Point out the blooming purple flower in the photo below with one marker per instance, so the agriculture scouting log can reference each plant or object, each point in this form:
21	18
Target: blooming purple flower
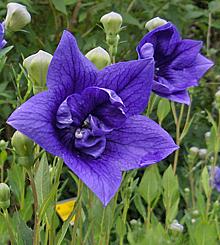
2	33
89	118
178	62
215	177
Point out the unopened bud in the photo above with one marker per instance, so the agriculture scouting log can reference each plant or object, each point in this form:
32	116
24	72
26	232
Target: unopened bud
176	226
193	221
217	99
154	23
186	190
111	22
203	153
37	68
207	138
195	212
24	149
4	196
194	151
99	57
3	144
17	17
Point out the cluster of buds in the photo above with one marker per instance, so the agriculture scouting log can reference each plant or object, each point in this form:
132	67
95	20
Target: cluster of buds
112	23
24	149
4	196
17	17
37	67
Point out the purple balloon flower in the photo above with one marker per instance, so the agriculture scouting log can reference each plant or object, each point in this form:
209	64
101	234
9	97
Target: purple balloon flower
89	118
178	62
2	33
215	177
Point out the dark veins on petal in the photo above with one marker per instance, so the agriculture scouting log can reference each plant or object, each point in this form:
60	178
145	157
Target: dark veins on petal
83	120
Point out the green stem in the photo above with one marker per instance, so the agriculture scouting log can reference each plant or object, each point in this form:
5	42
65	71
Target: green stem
36	218
178	121
208	38
78	212
152	101
10	230
2	173
102	226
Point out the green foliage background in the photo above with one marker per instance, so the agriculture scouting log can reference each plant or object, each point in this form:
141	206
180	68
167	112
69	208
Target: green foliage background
198	19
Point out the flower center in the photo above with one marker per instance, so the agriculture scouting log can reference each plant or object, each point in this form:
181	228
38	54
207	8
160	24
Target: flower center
83	120
90	137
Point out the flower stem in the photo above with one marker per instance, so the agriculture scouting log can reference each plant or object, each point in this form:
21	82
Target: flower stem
178	121
78	212
102	225
10	230
36	218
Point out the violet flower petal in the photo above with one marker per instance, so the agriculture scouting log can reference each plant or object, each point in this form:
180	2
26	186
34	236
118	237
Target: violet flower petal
138	143
132	81
70	71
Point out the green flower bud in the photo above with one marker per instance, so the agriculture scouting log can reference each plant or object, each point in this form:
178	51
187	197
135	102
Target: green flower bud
112	22
195	213
154	23
17	17
4	196
176	226
37	68
194	151
186	190
24	149
207	138
193	221
99	57
3	145
203	153
217	99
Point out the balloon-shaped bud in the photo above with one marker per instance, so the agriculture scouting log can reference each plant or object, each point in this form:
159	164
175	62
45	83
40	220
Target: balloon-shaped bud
154	23
203	153
99	57
217	99
111	22
17	17
37	68
4	196
24	148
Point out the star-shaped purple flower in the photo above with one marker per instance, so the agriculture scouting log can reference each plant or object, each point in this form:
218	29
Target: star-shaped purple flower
89	118
215	177
2	33
178	62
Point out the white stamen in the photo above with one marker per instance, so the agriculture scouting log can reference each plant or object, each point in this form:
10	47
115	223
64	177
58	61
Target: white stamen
79	133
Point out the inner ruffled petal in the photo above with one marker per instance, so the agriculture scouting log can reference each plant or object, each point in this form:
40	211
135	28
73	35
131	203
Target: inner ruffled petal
84	119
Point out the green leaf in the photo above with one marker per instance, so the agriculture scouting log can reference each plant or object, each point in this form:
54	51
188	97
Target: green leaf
129	19
150	186
120	226
42	180
140	206
16	177
203	233
163	109
25	234
214	6
60	6
170	194
4	51
206	182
